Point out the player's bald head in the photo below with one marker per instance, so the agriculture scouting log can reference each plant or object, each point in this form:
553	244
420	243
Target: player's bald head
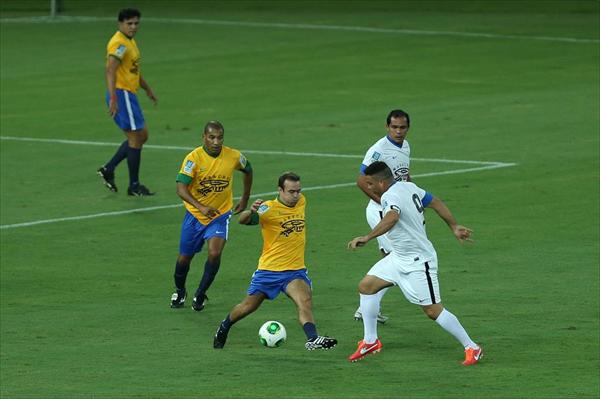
214	126
379	171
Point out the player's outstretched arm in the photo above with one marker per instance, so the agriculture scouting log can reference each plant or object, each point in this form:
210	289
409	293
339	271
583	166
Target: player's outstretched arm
461	233
385	225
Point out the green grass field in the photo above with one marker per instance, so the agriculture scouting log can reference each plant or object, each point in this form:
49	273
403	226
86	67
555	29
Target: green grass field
84	301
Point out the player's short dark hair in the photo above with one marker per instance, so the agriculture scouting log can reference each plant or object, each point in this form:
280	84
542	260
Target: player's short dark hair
128	13
397	113
214	125
287	176
379	171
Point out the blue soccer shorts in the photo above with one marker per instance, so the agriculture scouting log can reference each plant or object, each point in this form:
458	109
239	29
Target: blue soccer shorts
272	283
194	233
129	116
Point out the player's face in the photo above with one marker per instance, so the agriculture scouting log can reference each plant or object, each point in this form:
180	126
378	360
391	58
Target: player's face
213	141
129	26
290	194
374	186
397	129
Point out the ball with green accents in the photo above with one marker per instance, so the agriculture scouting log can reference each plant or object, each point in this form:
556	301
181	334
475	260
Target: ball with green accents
272	334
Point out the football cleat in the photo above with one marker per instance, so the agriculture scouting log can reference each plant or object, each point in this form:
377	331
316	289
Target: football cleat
108	178
380	318
139	190
178	299
220	338
365	349
198	304
320	342
472	356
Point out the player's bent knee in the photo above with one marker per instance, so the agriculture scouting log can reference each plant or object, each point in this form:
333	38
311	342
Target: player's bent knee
366	288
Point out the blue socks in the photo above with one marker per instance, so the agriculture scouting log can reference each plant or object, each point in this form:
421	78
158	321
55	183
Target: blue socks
134	157
210	272
310	330
180	275
120	155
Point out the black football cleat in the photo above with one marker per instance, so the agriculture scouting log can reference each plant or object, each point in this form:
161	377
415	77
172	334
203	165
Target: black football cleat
199	304
108	178
139	190
220	338
178	299
320	342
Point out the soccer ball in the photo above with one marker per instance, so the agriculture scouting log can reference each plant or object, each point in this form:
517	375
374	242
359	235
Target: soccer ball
272	334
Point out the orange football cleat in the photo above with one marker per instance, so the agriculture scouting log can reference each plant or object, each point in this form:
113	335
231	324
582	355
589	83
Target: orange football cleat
365	349
472	356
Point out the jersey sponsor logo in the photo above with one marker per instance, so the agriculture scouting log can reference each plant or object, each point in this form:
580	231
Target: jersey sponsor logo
120	51
292	226
189	167
262	209
376	156
401	174
135	66
212	186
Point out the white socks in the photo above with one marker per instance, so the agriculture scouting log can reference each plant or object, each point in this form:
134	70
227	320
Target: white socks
369	306
450	323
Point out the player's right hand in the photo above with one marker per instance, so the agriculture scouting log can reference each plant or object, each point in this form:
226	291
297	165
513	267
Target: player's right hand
357	242
209	211
256	204
113	107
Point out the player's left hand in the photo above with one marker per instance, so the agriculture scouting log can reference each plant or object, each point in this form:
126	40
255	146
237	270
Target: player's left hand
462	233
357	242
151	96
241	206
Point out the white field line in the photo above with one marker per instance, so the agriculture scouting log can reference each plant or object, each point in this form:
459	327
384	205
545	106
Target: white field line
281	25
153	208
259	152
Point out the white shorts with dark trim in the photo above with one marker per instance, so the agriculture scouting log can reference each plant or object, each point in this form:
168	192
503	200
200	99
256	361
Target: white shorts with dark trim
418	281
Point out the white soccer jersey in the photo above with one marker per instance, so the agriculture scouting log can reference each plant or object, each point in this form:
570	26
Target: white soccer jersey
408	236
396	157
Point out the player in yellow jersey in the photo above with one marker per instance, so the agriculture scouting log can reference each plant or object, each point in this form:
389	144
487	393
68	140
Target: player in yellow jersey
123	78
205	184
281	265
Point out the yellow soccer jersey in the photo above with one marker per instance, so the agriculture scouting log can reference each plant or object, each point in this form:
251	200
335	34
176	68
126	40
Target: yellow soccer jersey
125	49
210	180
284	235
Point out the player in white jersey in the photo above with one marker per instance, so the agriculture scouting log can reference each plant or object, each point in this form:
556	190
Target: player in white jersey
394	150
412	263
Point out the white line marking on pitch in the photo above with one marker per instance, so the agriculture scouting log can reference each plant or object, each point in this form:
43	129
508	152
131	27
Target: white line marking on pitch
260	152
281	25
153	208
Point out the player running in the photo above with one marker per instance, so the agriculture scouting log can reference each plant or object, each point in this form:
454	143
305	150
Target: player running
281	265
205	184
412	264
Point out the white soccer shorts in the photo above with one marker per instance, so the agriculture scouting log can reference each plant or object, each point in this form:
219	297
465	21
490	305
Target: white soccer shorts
418	281
374	214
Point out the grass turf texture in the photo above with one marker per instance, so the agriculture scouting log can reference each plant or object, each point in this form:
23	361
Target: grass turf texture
84	304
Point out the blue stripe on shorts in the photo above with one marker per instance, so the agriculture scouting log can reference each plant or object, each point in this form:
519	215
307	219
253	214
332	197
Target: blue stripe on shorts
272	283
129	115
194	233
